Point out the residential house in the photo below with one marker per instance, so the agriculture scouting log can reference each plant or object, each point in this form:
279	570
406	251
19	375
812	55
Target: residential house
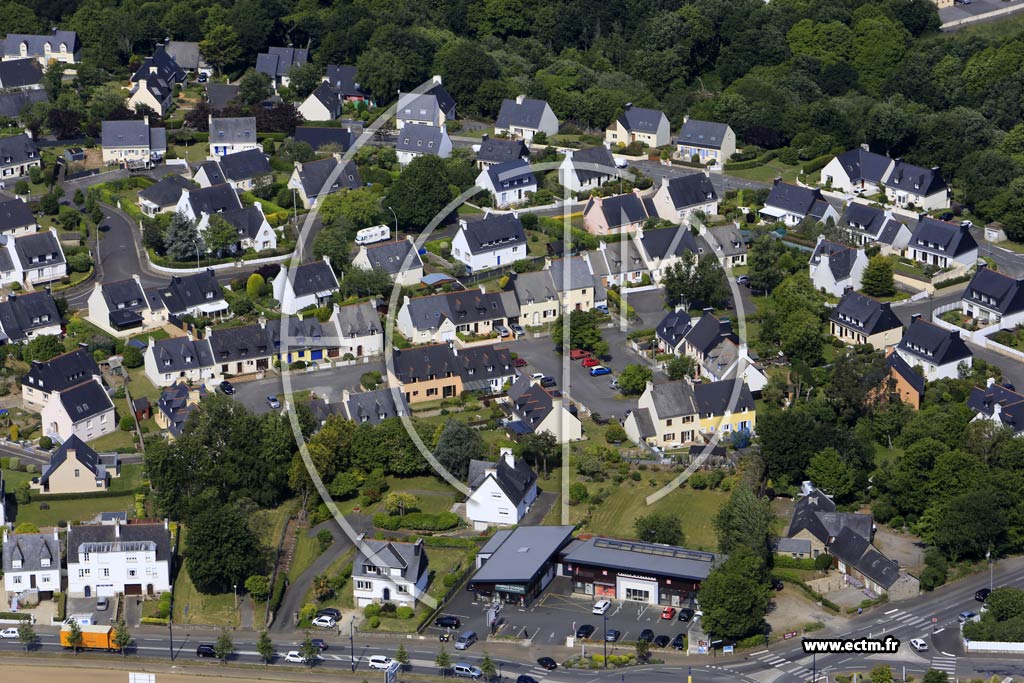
60	46
836	268
417	139
325	103
16	218
152	84
252	229
107	559
373	406
492	151
677	199
307	285
858	319
389	571
122	308
243	171
432	108
133	144
671	414
816	521
74	467
536	410
21	74
636	124
672	330
998	403
23	317
939	352
523	118
791	204
399	259
360	334
163	195
175	405
345	79
722	407
718	353
865	224
663	249
244	350
277	62
993	298
857	171
707	142
617	264
426	373
304	338
84	410
942	245
501	492
912	186
231	135
220	96
3	509
441	317
198	294
32	260
537	296
485	369
18	153
901	383
31	564
733	242
317	137
493	241
310	178
186	54
586	169
617	214
46	378
178	358
863	565
14	103
578	289
510	182
222	200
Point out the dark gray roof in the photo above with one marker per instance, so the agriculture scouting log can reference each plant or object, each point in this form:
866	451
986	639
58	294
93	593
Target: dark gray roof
710	331
181	353
278	61
332	99
915	179
691	190
61	372
463	307
422	362
1011	404
240	343
855	550
793	545
713	398
861	164
995	291
525	114
234	130
612	261
673	328
375	406
246	221
647	558
535	286
245	165
75	448
35	43
12	104
896	363
15	214
494	231
313	175
478	365
214	199
598	155
31	550
219	95
864	314
175	406
85	400
20	73
930	342
732	240
159	87
345	78
515	482
580	276
621	209
792	198
312	278
511	174
390	256
302	333
358	320
321	136
642	120
497	150
24	313
424	106
524	554
186	291
817	514
159	66
839	258
135	133
118	538
41	248
409	558
531	402
951	240
184	53
419	138
167	191
702	134
672	399
669	242
863	218
644	423
17	149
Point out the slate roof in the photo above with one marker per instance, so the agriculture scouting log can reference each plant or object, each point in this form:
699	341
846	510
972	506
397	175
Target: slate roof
580	276
793	199
35	43
80	451
645	558
1011	404
493	232
838	257
233	130
856	551
278	61
863	218
995	291
409	558
621	209
644	423
24	313
166	69
420	362
314	174
134	133
535	286
85	400
515	482
312	278
731	239
817	514
115	536
246	221
511	174
896	364
497	150
184	53
389	256
524	553
375	406
793	545
668	242
61	372
708	332
175	406
185	291
160	88
214	199
673	328
419	139
525	114
219	95
244	165
953	239
240	343
673	399
462	308
702	134
41	248
332	99
17	149
12	104
861	164
345	78
611	261
864	314
713	398
531	402
167	191
319	136
598	155
31	550
20	73
424	106
934	344
181	353
15	214
915	179
690	190
480	364
641	120
358	320
302	333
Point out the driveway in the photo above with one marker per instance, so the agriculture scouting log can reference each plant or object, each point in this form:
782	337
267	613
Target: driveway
330	383
721	181
88	606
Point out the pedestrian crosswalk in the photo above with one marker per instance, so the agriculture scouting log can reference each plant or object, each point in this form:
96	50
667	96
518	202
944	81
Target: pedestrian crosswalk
899	618
946	664
781	663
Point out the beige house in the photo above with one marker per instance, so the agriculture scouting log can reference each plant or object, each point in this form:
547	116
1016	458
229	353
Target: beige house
672	414
576	285
649	126
538	411
624	213
426	373
537	296
133	144
74	468
858	319
84	411
46	379
707	142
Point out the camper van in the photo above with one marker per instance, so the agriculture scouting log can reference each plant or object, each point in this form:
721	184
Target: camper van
378	233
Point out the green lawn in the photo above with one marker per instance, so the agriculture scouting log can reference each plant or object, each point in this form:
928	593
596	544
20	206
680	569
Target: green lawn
306	550
116	441
272	522
343	599
885	456
140	385
768	172
155	335
538	246
72	511
193	607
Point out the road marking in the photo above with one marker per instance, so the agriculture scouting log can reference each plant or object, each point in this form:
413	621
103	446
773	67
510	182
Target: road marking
892	611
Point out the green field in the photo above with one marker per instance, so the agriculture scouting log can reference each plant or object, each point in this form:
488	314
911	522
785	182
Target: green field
307	549
117	440
768	172
80	510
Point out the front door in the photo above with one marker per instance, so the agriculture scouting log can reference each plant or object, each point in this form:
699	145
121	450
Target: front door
386	594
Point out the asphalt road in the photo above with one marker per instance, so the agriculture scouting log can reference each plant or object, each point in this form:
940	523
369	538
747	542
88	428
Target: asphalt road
253	394
721	181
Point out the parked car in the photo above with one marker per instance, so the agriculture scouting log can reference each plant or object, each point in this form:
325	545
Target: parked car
518	330
598	370
331	612
679	641
548	381
205	650
227	388
547	663
523	678
9	633
585	631
577	354
323	622
612	635
447	621
379	662
685	614
614	384
777	584
668	613
743	280
202	77
519	362
102	604
662	641
502	330
590	362
462	670
947	216
982	594
918	644
966	224
601	606
465	640
647	635
601	308
273	402
537	375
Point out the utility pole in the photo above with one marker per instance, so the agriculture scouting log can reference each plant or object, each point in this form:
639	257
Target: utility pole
352	640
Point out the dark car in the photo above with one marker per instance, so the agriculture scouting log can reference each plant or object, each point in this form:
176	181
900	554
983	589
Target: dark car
447	622
202	77
662	641
647	635
526	679
205	650
585	631
948	216
982	595
679	641
547	663
548	381
777	584
226	388
331	612
319	644
612	635
685	614
519	362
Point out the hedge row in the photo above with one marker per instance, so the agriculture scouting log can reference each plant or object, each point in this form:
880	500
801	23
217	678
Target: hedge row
817	163
449	542
420	521
41	497
953	281
278	593
20	616
154	621
783	562
753	163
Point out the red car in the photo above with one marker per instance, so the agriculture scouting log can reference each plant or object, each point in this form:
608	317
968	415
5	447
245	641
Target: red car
577	354
668	613
519	362
590	362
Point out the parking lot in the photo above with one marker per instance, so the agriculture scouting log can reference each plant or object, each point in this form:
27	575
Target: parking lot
558	613
88	606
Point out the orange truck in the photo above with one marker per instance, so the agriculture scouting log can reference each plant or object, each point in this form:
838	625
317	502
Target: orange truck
93	637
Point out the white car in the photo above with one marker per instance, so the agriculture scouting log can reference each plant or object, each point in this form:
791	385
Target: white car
294	657
537	376
601	606
9	633
324	622
919	645
379	662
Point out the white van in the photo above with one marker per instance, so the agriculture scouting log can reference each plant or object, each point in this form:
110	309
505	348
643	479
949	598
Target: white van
379	662
465	640
467	671
82	619
377	233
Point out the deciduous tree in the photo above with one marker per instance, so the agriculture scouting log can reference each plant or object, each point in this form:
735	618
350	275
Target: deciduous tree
659	527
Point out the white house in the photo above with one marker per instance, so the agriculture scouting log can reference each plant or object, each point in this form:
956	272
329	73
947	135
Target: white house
538	411
511	182
860	171
501	493
178	358
23	317
107	559
710	143
84	410
231	135
32	260
431	108
662	249
309	179
133	144
993	297
649	126
310	284
942	245
417	139
907	185
586	169
523	118
18	154
835	267
246	170
495	240
676	199
857	170
359	331
251	225
277	62
60	46
323	104
31	562
399	259
389	571
791	204
938	351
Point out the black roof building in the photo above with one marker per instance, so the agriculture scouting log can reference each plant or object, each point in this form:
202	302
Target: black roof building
23	314
220	95
314	174
863	165
622	209
318	137
933	344
390	256
499	150
592	163
78	450
995	291
61	372
425	362
312	278
375	406
494	231
85	400
673	328
179	354
278	61
531	402
13	104
513	475
167	191
714	398
838	258
511	174
793	199
915	179
248	342
20	73
668	242
690	190
184	292
708	332
1000	403
521	112
856	551
702	134
345	79
15	215
252	163
942	238
864	314
98	538
17	150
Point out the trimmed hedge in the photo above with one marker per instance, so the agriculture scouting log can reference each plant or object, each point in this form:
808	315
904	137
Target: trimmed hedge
783	562
420	521
19	616
154	621
753	163
817	163
89	494
953	281
277	595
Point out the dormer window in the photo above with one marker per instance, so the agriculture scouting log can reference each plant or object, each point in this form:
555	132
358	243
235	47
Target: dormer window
44	562
16	564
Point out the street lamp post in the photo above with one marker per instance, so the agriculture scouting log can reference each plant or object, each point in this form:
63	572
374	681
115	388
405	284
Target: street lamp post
991	570
196	243
396	220
234	587
352	640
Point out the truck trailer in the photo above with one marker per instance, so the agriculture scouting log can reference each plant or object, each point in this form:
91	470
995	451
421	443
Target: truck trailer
94	637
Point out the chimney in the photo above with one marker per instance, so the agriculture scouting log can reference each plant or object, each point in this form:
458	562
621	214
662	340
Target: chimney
865	146
263	322
776	181
417	547
360	537
989	382
436	79
145	120
885	306
5	535
117	528
327	259
520	98
508	457
997	412
56	534
915	316
649	386
686	118
166	524
708	310
483	289
629	105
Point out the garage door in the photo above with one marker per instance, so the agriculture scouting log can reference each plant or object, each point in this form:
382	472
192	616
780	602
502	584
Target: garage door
133	589
105	590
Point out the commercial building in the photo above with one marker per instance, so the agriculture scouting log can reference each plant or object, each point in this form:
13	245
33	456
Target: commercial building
516	565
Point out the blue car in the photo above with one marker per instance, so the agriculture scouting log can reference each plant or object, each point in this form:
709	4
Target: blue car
599	370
